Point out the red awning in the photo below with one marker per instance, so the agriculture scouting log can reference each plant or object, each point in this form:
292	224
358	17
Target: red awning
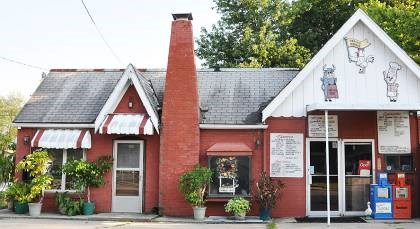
127	124
229	148
62	139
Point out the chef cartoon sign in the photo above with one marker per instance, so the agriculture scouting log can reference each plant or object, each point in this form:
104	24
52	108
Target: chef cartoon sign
390	78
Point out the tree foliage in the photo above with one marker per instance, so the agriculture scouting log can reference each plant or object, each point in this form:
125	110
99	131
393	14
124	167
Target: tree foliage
9	107
400	20
251	34
279	33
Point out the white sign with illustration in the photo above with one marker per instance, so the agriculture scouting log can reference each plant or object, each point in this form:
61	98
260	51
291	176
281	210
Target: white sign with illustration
286	155
356	53
316	126
329	83
393	132
390	78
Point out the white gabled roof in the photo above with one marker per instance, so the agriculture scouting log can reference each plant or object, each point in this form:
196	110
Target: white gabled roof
359	15
129	76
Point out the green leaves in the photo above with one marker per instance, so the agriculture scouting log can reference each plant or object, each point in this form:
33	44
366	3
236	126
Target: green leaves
35	163
193	184
238	206
87	174
9	107
251	33
268	191
67	206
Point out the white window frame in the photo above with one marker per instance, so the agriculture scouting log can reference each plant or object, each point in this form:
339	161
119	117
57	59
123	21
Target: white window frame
63	175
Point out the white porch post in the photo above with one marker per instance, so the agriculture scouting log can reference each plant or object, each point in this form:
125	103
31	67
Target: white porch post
327	152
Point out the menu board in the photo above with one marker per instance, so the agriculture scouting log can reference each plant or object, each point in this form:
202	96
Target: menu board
393	132
316	126
286	155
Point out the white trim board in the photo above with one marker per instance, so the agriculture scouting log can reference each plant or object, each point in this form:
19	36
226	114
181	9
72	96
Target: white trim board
359	15
129	77
53	125
232	127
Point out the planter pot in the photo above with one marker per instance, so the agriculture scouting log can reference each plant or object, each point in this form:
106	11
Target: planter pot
10	205
240	216
199	213
88	208
21	207
35	209
264	214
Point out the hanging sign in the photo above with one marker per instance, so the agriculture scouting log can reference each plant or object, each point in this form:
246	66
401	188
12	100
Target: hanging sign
286	155
316	126
356	53
393	132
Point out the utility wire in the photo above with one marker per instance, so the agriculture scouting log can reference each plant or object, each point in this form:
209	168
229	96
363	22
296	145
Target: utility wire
100	33
21	63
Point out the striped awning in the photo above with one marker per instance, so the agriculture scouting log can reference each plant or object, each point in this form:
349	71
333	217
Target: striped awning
127	124
62	138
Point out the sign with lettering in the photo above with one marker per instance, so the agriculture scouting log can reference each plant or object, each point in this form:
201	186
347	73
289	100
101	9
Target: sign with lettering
393	132
286	155
316	126
383	208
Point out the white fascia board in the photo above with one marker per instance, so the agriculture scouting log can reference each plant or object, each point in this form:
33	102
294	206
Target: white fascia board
112	100
363	107
232	127
359	15
53	125
144	99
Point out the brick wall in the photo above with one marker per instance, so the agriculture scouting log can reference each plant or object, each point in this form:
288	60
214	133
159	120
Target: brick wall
180	117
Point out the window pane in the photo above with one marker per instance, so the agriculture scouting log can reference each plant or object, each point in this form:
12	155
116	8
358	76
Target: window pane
56	156
127	183
128	155
230	176
72	154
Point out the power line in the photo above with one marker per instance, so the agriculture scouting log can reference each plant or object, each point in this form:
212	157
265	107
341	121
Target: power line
21	63
100	33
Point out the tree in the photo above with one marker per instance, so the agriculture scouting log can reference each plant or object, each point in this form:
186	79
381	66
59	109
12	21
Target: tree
400	20
251	33
314	22
9	107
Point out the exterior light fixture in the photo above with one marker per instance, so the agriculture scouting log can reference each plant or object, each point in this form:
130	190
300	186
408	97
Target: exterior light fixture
26	140
130	104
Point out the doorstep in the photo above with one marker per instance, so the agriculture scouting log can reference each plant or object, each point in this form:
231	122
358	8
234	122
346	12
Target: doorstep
131	217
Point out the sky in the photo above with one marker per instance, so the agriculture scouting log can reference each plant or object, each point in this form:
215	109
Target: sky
59	34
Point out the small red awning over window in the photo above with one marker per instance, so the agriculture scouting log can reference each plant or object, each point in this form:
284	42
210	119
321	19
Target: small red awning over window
229	149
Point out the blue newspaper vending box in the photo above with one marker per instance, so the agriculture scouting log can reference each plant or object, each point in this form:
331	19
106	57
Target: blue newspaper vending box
381	198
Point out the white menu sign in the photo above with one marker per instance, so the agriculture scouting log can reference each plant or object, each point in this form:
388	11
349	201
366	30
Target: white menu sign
393	132
316	126
286	155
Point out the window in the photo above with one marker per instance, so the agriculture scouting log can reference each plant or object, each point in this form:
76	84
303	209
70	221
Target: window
399	162
59	157
231	176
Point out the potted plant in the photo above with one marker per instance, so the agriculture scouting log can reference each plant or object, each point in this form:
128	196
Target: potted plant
67	206
36	164
86	174
193	185
268	191
238	206
19	191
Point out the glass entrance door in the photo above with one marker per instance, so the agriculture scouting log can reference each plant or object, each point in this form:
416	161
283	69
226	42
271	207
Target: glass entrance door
358	175
318	178
127	176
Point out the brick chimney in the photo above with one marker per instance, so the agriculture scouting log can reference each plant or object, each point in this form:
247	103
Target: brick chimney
180	137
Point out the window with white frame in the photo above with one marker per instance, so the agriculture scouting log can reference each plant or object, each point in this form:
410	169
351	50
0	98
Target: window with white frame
59	157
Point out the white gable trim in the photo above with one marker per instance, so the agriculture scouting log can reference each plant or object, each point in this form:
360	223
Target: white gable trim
359	15
129	76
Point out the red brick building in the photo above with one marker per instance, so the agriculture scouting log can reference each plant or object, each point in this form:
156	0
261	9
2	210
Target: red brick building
159	123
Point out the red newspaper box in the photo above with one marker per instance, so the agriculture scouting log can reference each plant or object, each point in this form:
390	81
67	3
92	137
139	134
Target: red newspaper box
402	198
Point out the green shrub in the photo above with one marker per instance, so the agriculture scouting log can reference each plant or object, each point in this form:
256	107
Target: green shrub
67	206
193	185
238	206
86	174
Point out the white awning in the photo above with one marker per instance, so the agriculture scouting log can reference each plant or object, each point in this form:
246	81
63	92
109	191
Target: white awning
362	106
127	124
62	138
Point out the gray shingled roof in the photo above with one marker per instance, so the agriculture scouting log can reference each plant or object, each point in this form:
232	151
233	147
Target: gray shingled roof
229	96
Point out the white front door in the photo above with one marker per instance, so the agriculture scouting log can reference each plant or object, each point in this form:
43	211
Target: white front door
127	180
